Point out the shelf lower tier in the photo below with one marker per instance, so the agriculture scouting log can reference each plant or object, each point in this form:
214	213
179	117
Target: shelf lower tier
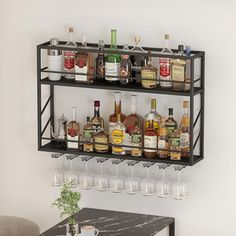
52	147
132	88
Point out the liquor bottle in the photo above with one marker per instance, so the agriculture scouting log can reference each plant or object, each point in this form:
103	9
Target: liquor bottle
117	110
84	64
69	57
138	62
164	65
155	114
149	75
101	141
54	60
97	121
175	151
100	61
129	123
178	68
188	68
184	131
163	140
118	136
88	136
150	139
112	62
73	131
136	141
125	67
171	123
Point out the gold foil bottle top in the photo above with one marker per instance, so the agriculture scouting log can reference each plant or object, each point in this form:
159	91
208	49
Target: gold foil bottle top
153	104
118	118
186	104
167	36
71	29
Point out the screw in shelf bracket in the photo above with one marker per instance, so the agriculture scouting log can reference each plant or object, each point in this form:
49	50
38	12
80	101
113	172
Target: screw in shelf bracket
71	156
163	166
56	155
132	163
179	168
148	164
102	159
87	158
117	161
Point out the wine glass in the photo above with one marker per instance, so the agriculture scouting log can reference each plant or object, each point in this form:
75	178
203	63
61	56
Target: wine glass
70	177
132	183
116	182
163	186
57	173
85	179
101	181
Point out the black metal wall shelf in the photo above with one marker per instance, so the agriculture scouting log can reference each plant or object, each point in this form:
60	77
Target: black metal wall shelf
197	87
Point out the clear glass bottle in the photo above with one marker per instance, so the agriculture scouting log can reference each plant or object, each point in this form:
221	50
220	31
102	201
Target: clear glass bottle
118	136
175	151
149	75
164	65
136	141
129	123
69	56
117	110
125	67
84	64
101	141
155	114
112	62
163	140
100	61
97	121
73	132
185	132
150	139
88	136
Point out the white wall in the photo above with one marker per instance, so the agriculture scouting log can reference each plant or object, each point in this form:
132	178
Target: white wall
24	172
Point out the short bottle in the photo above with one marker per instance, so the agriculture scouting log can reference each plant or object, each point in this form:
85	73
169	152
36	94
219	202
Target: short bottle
136	141
54	60
118	136
125	67
149	75
97	121
100	61
101	141
69	57
73	132
163	144
150	140
175	151
88	137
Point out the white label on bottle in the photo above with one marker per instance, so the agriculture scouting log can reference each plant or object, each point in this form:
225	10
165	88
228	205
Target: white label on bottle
83	70
127	141
161	144
55	64
72	144
150	142
164	64
111	125
112	69
184	140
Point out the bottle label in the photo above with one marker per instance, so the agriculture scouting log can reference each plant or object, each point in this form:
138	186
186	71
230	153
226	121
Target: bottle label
170	129
81	66
111	126
155	124
136	139
101	69
175	143
178	73
124	72
150	142
161	143
127	141
112	69
184	140
72	135
69	60
87	133
117	136
101	147
96	128
164	67
148	74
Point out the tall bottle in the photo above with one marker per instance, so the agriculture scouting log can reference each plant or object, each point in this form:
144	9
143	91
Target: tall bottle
69	56
136	141
150	139
97	121
100	61
185	132
118	136
125	67
163	140
117	110
129	123
112	63
84	64
73	131
154	116
171	123
164	65
88	136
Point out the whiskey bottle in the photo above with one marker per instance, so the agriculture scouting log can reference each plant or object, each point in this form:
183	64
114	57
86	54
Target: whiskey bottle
164	65
150	140
118	135
136	141
84	65
73	131
112	62
184	131
149	75
153	114
101	141
97	121
178	68
88	136
69	57
171	123
129	123
163	140
117	110
125	67
100	61
175	151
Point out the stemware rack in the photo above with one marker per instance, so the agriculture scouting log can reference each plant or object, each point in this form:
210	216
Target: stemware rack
197	87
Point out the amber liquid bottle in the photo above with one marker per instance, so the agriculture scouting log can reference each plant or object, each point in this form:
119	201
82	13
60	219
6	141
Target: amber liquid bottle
97	121
163	140
88	136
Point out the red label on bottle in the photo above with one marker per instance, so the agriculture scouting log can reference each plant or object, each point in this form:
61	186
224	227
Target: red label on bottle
164	67
72	132
69	60
81	63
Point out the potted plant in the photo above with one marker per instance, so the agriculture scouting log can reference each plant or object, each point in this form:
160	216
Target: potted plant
68	204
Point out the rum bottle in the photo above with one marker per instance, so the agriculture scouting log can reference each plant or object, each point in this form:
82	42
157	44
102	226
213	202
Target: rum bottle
97	121
136	141
163	140
125	67
100	61
88	137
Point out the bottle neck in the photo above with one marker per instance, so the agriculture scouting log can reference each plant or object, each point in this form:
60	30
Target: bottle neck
166	44
134	105
113	39
185	111
73	114
71	36
96	111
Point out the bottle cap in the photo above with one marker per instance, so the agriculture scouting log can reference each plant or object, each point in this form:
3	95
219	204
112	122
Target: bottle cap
186	104
71	29
54	41
101	43
180	48
88	118
97	103
170	111
167	36
153	103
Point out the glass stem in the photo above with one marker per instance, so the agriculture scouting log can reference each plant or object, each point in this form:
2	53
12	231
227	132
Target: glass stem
179	176
163	175
148	173
132	171
86	166
116	170
101	168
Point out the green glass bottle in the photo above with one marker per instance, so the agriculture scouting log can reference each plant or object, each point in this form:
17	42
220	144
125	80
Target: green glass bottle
112	62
